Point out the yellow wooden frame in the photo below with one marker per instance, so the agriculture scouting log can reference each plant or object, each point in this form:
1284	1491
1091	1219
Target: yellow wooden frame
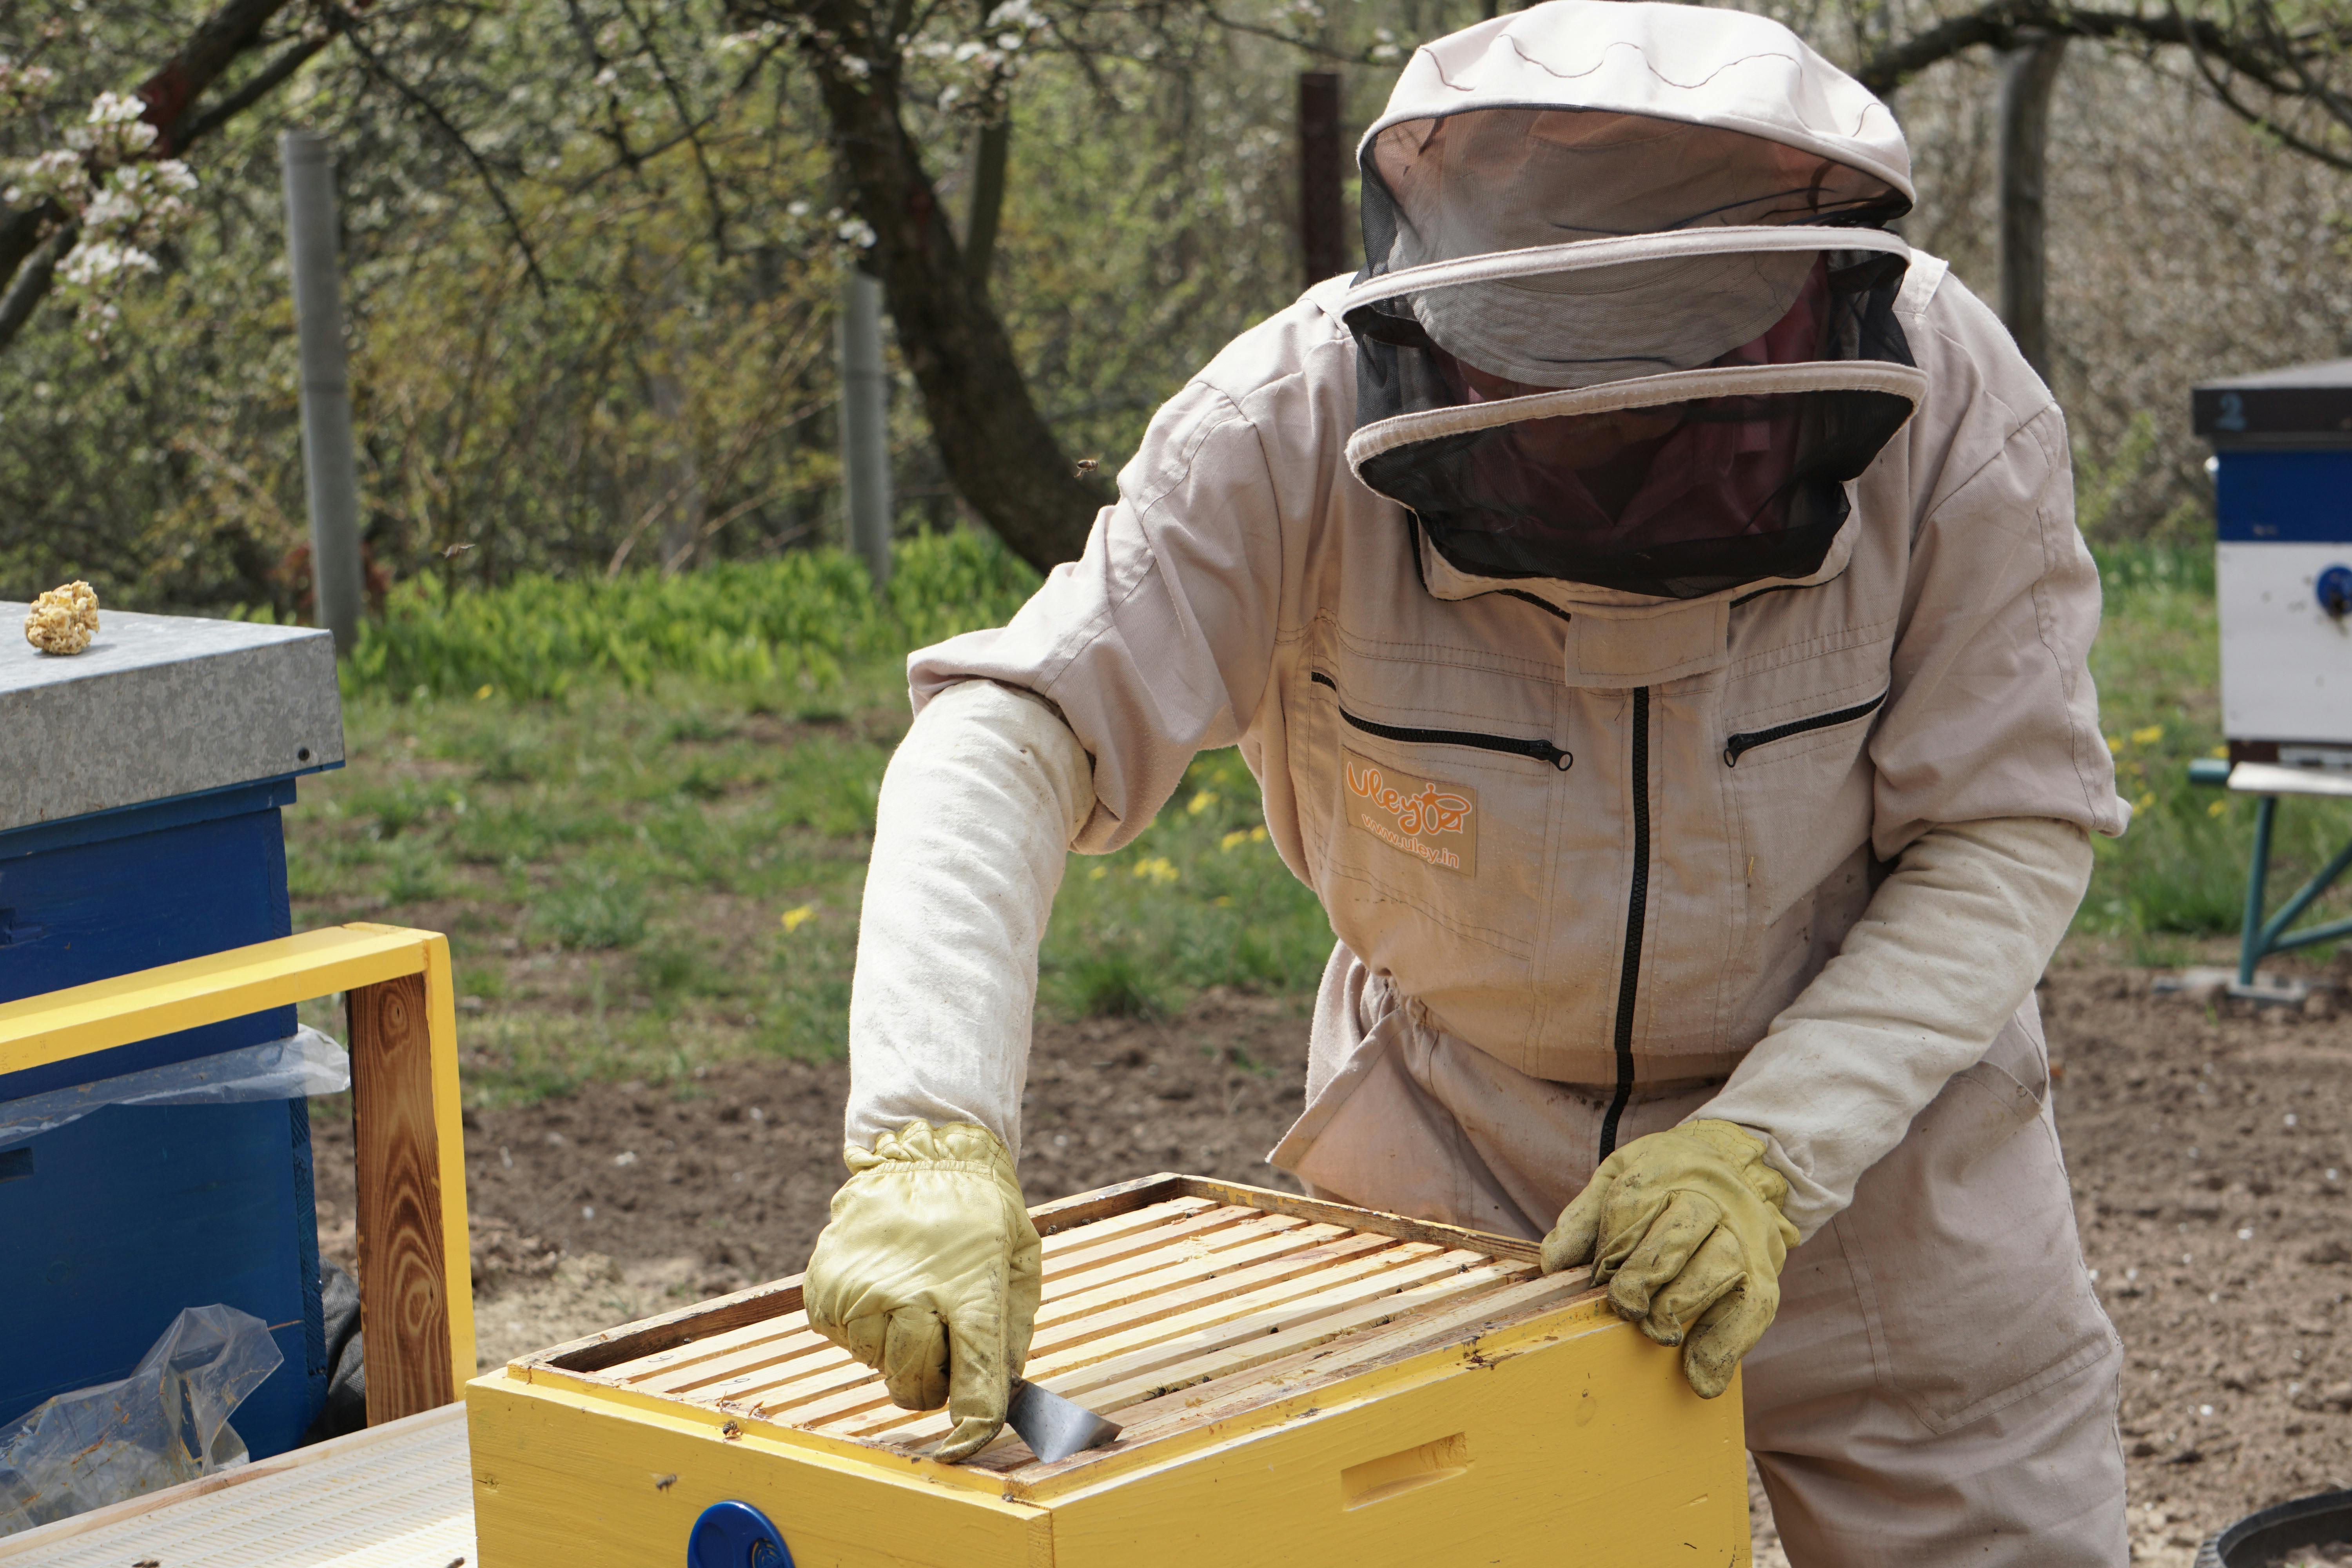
1562	1436
420	1326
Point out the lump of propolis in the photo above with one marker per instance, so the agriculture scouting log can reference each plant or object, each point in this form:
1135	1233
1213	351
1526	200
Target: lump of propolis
63	619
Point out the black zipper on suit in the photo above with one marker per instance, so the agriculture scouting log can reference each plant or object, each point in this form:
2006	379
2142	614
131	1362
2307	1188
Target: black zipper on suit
1637	907
1542	751
1741	744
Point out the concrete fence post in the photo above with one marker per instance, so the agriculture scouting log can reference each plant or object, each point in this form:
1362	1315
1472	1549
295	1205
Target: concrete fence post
328	464
866	423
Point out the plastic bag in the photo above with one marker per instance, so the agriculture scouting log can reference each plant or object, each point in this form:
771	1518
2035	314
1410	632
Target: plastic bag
305	1063
164	1424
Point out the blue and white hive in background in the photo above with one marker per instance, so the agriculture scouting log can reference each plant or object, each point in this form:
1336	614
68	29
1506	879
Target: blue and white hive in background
2282	481
140	783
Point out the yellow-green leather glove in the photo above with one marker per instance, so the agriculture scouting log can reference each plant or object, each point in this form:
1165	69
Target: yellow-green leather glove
929	1273
1685	1227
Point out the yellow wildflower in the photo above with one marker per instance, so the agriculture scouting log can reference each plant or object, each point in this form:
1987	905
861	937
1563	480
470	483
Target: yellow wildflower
484	694
1257	833
2145	801
795	918
1233	840
1097	874
2149	736
1157	868
2216	808
2115	744
1201	802
2221	752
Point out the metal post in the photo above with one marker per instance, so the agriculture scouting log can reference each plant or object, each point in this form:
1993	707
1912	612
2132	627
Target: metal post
866	423
329	467
2250	942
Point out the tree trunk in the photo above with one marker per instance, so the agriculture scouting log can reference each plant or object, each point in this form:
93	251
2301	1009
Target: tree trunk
992	151
2028	74
998	449
1322	207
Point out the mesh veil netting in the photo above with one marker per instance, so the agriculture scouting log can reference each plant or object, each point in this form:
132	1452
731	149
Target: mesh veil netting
1676	498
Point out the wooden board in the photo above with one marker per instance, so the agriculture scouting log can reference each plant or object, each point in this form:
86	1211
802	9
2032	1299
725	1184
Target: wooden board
1164	1300
403	1294
394	1496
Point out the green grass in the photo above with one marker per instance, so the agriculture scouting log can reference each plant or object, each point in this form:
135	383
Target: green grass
794	623
651	867
638	879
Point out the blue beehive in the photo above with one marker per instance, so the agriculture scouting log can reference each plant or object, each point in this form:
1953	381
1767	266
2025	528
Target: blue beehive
140	783
2282	493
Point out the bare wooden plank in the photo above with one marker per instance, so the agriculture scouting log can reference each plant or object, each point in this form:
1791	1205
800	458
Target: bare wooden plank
612	1347
1202	1226
1407	1328
1309	1323
1261	1333
749	1346
1309	1268
1192	1257
748	1363
1115	1285
772	1361
1087	1208
848	1380
1148	1217
1107	1306
1395	1225
403	1286
749	1335
769	1350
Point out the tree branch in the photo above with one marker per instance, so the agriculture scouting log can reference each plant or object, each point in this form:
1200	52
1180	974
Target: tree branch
2011	24
32	282
998	449
222	36
191	128
344	23
22	229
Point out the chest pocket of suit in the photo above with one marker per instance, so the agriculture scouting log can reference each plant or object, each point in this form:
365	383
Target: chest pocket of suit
1801	771
1438	833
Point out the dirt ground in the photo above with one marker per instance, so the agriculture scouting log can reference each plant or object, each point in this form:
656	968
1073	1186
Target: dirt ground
2210	1144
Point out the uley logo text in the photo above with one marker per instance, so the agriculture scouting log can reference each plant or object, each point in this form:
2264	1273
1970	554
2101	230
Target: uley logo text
1433	821
1428	812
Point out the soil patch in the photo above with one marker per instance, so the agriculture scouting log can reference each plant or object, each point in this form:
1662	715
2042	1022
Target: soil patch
621	1200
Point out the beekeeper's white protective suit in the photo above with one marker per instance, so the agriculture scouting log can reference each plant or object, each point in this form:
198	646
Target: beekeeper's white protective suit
1650	600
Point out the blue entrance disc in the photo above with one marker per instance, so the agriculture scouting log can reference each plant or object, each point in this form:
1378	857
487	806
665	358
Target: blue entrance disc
2335	591
735	1535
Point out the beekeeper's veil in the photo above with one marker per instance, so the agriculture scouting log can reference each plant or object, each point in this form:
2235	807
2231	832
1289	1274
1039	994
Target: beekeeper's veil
1627	313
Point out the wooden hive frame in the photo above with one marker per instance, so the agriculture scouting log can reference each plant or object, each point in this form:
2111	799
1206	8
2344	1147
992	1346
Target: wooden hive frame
1280	1366
1179	1305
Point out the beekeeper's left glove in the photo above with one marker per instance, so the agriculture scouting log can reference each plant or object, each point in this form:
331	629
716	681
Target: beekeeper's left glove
930	1273
1685	1227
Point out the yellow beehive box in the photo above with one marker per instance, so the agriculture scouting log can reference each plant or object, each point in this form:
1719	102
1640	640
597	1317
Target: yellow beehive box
1300	1382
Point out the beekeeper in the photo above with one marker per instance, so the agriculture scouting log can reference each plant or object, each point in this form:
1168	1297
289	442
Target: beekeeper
1649	598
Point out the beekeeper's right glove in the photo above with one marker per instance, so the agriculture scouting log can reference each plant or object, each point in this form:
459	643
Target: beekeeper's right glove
930	1274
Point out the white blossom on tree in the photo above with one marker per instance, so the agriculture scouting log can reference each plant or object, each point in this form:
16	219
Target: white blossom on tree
121	202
